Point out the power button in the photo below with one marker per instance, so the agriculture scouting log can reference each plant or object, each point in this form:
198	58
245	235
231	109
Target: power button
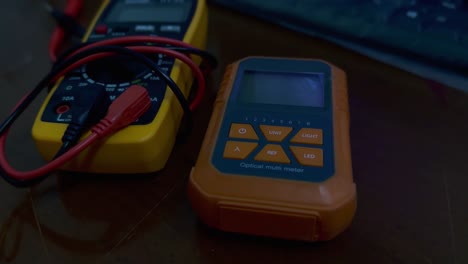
244	131
101	29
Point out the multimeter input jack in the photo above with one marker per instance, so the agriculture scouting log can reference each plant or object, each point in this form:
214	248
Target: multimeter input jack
62	109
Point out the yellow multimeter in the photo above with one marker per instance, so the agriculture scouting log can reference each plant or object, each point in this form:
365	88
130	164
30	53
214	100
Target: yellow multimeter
276	157
144	146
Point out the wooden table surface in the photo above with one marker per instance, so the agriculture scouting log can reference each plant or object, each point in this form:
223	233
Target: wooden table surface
409	151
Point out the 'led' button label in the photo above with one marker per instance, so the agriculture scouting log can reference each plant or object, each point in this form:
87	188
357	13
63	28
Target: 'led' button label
308	156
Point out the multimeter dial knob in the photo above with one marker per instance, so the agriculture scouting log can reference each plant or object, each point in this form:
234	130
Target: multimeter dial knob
114	70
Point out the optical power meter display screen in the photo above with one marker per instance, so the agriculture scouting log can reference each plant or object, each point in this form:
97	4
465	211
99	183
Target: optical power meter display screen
149	12
277	88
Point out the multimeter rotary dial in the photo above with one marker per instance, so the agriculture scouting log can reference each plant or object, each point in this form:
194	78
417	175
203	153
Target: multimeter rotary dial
115	70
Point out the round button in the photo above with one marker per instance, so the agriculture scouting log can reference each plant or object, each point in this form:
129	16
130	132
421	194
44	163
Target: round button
62	109
101	29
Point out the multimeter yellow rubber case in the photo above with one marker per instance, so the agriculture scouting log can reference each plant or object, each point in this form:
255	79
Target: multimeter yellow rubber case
303	189
139	148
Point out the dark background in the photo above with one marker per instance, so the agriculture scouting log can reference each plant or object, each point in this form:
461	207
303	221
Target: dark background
409	151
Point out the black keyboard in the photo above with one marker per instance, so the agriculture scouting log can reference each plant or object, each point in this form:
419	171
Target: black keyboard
430	32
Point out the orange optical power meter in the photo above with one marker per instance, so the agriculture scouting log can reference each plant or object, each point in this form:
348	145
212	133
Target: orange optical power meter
276	157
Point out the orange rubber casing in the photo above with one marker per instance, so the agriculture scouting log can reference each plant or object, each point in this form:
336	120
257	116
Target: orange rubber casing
279	208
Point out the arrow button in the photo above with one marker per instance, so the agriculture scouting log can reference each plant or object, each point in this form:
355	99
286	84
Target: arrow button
238	150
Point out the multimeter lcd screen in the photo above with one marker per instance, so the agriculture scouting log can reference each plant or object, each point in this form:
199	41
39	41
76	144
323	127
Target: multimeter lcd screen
278	88
175	13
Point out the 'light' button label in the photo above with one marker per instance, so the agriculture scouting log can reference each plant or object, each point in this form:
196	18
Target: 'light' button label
309	136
